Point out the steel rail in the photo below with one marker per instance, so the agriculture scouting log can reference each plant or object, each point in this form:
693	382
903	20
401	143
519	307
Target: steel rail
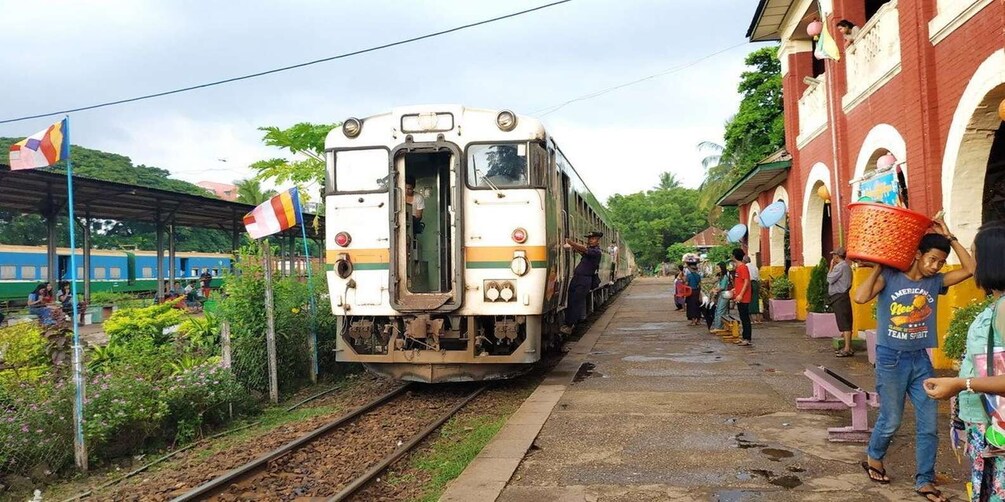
402	450
216	484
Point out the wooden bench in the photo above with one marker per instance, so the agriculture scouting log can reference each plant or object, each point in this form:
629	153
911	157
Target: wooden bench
832	391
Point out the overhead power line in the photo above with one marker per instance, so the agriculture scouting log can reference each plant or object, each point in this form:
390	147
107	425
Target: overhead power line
284	68
554	108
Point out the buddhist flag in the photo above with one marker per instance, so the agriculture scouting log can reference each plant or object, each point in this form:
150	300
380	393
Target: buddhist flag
275	215
43	149
826	46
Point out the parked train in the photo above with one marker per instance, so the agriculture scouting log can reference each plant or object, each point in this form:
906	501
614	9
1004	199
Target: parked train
476	288
23	267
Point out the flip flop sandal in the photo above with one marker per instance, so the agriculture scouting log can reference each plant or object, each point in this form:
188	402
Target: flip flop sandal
870	470
933	492
844	353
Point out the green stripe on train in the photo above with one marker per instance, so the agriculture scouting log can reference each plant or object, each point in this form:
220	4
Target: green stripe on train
19	290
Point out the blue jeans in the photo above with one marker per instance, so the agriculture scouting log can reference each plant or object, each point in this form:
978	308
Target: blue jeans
900	374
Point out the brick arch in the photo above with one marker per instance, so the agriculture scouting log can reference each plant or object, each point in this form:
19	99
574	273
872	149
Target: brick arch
753	231
968	147
813	213
881	139
776	236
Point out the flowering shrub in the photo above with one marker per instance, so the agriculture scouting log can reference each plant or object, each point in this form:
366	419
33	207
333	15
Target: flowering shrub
36	424
146	322
120	413
22	345
199	397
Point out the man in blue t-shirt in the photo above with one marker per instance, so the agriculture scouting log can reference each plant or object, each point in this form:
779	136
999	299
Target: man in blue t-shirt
906	304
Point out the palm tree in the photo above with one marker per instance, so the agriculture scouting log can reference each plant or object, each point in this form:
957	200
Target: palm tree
250	191
720	173
668	181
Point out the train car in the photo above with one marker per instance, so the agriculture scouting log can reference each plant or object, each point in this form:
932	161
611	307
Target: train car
23	267
476	288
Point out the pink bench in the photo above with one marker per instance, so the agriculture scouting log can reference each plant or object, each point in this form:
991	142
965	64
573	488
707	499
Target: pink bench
835	392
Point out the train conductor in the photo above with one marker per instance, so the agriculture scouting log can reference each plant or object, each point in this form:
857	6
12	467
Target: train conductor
582	278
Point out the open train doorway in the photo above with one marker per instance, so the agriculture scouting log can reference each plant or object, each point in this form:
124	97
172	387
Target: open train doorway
427	273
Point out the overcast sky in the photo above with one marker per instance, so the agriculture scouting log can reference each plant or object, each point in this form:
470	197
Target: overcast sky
64	54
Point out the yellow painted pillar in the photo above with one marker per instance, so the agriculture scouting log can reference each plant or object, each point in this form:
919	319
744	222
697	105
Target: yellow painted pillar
863	316
958	296
800	277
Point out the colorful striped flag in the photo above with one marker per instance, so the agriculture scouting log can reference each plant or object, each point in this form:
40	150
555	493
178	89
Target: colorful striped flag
43	149
275	215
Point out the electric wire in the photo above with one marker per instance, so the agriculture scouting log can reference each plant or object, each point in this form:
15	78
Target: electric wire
284	68
554	108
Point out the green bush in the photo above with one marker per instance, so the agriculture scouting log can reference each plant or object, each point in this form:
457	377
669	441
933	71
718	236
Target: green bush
201	334
145	322
955	343
121	413
676	252
22	345
109	297
200	397
36	424
781	288
816	291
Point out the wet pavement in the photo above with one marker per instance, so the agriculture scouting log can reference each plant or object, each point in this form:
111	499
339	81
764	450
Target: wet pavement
659	410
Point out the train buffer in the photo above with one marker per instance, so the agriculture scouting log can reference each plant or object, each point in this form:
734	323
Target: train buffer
832	391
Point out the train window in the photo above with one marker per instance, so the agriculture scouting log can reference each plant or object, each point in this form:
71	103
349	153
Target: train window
538	165
80	272
27	272
114	273
8	272
99	272
43	272
147	272
497	166
361	170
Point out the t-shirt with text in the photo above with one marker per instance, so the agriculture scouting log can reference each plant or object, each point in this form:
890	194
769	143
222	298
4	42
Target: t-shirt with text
905	311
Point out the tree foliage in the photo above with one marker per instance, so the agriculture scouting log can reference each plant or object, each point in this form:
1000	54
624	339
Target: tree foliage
754	132
651	221
250	191
306	142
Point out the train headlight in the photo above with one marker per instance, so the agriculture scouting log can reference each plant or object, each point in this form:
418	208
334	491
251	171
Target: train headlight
352	127
491	291
506	292
506	120
342	239
519	264
519	236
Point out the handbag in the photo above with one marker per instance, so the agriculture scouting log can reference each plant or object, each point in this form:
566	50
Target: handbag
989	364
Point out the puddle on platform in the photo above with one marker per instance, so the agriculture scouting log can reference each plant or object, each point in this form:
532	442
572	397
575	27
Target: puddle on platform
695	358
585	370
787	481
735	496
649	326
744	444
776	454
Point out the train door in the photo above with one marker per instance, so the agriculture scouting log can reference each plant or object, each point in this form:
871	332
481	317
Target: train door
567	254
426	263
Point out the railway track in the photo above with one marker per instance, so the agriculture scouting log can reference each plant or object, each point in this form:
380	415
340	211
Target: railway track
342	456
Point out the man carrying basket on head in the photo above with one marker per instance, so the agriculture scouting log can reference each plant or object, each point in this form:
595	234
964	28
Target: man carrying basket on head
905	329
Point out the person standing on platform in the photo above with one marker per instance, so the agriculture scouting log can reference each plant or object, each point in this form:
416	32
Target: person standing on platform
742	294
582	279
839	298
206	279
906	308
755	291
692	278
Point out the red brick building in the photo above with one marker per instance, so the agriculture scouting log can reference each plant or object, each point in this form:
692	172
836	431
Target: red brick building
922	80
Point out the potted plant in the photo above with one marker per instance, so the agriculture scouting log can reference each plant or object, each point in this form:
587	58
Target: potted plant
781	304
820	321
955	343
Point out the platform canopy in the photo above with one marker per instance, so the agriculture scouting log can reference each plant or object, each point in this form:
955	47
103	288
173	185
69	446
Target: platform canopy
766	175
44	192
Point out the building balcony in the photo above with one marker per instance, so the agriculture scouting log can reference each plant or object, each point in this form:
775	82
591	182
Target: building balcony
873	58
812	110
951	15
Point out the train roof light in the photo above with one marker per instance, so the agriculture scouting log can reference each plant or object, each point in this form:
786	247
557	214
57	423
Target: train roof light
506	120
352	127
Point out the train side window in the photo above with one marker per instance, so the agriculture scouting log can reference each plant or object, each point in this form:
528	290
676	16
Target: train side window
538	166
361	170
99	272
148	272
114	273
8	272
80	272
43	272
28	272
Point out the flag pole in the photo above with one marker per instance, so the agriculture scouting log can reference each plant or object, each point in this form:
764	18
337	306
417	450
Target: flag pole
270	323
313	340
79	447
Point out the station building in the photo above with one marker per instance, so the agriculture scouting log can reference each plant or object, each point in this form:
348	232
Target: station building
919	90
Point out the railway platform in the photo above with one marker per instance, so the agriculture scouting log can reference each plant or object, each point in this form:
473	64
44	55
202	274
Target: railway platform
645	407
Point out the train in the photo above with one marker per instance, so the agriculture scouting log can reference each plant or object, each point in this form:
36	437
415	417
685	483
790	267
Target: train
24	267
469	280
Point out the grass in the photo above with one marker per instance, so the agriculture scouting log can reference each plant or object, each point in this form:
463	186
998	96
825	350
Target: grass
458	444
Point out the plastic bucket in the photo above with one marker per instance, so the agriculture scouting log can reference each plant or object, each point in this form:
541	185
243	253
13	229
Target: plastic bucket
885	234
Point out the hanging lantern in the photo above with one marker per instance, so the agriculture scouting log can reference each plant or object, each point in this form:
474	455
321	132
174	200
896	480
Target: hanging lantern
885	162
1001	110
824	193
814	28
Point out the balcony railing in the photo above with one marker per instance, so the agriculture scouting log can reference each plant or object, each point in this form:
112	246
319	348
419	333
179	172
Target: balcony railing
813	110
874	57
